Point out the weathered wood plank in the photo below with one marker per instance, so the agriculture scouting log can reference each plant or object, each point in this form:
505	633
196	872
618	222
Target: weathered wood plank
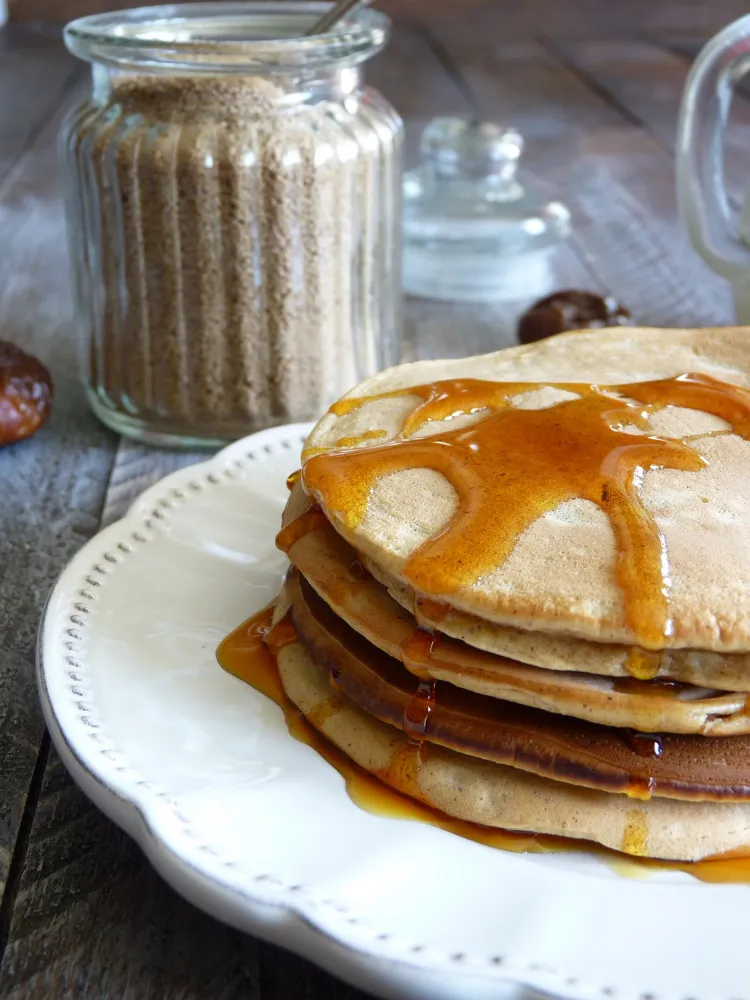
685	45
100	923
33	36
37	81
137	467
617	179
520	18
444	329
513	21
648	81
52	486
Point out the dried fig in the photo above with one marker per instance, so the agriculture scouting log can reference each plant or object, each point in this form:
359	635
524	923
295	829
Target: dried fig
25	394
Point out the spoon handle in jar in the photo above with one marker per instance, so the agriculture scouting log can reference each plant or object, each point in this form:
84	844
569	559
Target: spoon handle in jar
337	11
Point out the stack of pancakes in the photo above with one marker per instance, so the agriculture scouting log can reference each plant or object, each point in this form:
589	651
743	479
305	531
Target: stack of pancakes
520	587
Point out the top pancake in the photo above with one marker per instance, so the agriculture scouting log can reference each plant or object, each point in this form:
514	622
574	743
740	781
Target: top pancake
560	575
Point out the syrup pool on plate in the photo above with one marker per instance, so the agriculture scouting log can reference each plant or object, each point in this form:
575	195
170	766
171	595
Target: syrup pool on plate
248	654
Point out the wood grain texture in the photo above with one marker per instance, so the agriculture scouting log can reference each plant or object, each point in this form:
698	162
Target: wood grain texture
53	485
648	81
515	20
618	180
520	18
37	80
90	922
418	75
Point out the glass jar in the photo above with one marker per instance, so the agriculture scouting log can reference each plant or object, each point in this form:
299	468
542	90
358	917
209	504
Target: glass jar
473	231
233	202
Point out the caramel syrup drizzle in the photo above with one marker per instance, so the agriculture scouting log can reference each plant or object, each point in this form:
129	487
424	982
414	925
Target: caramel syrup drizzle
309	519
417	712
643	664
645	744
359	439
293	478
525	463
417	651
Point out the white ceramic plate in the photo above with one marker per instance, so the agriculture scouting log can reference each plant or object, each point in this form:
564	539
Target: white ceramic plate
255	828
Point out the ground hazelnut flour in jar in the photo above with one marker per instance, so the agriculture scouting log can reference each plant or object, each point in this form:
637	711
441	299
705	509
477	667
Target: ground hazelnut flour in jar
234	234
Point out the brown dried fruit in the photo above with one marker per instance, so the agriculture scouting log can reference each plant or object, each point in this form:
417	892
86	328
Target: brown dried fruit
25	394
570	310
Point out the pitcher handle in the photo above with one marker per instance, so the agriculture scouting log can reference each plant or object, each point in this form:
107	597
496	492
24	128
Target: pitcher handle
701	190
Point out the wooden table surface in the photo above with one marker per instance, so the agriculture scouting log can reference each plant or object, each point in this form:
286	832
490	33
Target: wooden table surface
596	95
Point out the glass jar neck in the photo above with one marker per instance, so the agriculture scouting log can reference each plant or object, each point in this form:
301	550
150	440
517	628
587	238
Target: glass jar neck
194	97
227	37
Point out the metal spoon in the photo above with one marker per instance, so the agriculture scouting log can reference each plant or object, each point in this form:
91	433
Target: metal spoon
332	16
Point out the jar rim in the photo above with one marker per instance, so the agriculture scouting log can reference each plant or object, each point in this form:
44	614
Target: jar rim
235	36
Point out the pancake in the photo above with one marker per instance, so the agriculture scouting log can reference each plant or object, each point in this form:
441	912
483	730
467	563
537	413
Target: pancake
330	566
687	767
505	797
564	573
722	671
552	651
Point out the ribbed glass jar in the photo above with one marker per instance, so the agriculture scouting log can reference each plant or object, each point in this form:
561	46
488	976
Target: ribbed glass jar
233	198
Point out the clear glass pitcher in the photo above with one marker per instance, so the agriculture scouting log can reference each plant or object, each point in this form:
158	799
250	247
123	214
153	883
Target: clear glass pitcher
720	233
